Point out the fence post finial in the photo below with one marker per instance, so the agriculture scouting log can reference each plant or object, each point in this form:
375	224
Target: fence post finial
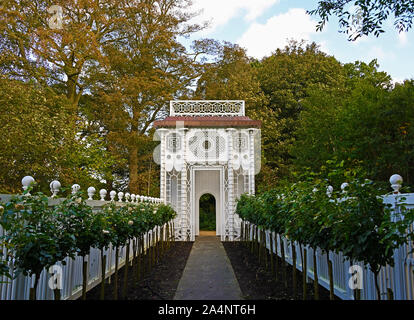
120	196
26	182
329	191
91	192
396	182
54	187
75	188
344	186
127	196
112	194
103	193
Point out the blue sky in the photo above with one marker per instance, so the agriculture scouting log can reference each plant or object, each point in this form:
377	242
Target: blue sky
261	26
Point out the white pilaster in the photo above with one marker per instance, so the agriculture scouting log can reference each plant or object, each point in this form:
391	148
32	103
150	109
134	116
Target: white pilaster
230	175
163	183
251	157
184	209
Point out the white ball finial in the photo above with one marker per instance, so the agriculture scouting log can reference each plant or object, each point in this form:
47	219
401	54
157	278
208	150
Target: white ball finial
396	182
120	196
112	195
133	196
75	188
329	191
127	196
27	181
344	186
91	192
54	187
102	194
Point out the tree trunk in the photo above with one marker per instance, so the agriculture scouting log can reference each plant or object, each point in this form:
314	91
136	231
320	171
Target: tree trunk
156	245
247	235
390	294
315	276
265	249
294	269
56	293
252	247
116	274
282	251
125	286
142	254
304	272
139	245
330	273
84	277
242	232
376	285
276	256
32	294
134	256
103	271
149	179
259	244
133	169
167	236
272	267
149	250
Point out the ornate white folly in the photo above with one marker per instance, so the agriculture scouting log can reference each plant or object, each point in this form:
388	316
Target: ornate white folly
207	147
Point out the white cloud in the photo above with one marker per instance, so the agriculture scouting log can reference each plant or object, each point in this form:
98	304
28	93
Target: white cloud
402	38
262	39
377	52
219	12
397	79
323	46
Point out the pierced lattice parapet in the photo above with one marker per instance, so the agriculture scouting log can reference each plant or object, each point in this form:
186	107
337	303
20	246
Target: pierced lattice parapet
207	108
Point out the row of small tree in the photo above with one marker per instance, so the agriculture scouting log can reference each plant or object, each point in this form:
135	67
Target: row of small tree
37	236
354	221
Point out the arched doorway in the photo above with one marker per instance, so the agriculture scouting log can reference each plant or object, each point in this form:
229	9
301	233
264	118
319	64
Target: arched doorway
207	214
207	181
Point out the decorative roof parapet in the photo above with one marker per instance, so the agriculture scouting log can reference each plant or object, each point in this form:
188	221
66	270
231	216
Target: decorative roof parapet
197	108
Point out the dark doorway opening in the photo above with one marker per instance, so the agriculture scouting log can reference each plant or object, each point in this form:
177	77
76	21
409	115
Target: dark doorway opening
207	212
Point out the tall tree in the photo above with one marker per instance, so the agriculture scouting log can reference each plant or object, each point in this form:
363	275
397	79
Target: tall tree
60	55
117	62
143	73
286	78
231	76
36	140
367	121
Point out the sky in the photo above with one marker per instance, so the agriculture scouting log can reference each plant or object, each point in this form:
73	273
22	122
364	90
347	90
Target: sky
262	26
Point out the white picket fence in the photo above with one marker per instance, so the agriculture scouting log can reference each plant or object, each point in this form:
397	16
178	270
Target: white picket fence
19	288
400	278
